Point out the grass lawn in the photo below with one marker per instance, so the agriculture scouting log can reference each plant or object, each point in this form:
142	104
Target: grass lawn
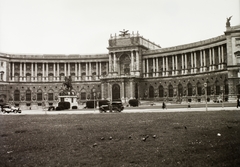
116	139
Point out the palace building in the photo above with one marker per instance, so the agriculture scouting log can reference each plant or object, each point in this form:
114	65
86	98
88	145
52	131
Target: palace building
134	67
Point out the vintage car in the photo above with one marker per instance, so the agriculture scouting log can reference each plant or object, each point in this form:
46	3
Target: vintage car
8	109
114	106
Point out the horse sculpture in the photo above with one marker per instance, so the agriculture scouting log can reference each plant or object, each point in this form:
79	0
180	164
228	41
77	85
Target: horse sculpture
68	83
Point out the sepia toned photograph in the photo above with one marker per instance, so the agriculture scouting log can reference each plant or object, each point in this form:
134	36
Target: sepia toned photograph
117	83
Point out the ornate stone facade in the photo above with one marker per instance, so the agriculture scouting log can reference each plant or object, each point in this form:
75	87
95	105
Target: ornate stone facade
133	68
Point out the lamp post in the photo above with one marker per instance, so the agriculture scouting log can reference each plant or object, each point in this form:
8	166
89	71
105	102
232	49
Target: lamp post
222	96
94	94
205	86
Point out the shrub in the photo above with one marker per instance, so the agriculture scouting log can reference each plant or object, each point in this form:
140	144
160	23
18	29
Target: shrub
64	105
102	102
90	104
74	107
133	102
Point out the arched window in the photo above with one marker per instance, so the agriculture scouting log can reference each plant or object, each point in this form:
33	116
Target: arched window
28	95
189	87
39	95
218	89
83	94
16	95
170	90
161	91
125	64
199	89
180	90
151	92
50	95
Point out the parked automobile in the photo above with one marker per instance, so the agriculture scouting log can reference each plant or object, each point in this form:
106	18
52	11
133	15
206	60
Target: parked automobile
8	109
16	109
115	106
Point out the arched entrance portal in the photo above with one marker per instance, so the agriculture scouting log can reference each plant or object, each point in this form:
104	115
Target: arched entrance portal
115	92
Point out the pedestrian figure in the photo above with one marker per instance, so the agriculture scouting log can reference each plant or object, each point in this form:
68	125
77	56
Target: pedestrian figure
237	102
189	106
163	105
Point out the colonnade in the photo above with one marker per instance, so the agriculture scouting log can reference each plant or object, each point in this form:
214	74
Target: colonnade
209	59
113	59
79	69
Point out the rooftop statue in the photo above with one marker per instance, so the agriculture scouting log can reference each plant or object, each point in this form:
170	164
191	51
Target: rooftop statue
228	21
124	33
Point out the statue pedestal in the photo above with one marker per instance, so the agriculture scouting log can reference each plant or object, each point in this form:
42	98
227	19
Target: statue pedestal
69	98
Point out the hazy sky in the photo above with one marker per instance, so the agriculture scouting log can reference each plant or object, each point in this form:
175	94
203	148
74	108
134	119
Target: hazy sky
84	26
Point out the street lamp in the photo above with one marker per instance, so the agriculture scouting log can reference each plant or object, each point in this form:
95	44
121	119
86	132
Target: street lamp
94	94
222	96
205	86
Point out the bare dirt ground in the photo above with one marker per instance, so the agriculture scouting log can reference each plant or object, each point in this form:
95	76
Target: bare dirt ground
121	139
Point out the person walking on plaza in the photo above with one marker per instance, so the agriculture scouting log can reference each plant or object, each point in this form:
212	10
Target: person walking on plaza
164	105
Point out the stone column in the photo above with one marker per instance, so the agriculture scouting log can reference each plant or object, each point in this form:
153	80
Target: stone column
24	71
13	79
213	59
76	71
173	65
86	71
167	66
219	57
183	69
46	71
204	61
54	71
43	72
201	61
58	72
210	59
100	68
192	66
114	62
107	66
132	62
123	95
154	70
163	72
97	76
186	64
102	90
147	68
131	89
90	71
195	62
176	64
137	59
32	73
69	70
143	68
222	56
20	75
157	74
65	69
36	69
79	72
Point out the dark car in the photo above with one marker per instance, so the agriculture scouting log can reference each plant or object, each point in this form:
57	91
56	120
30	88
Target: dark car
8	108
115	106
